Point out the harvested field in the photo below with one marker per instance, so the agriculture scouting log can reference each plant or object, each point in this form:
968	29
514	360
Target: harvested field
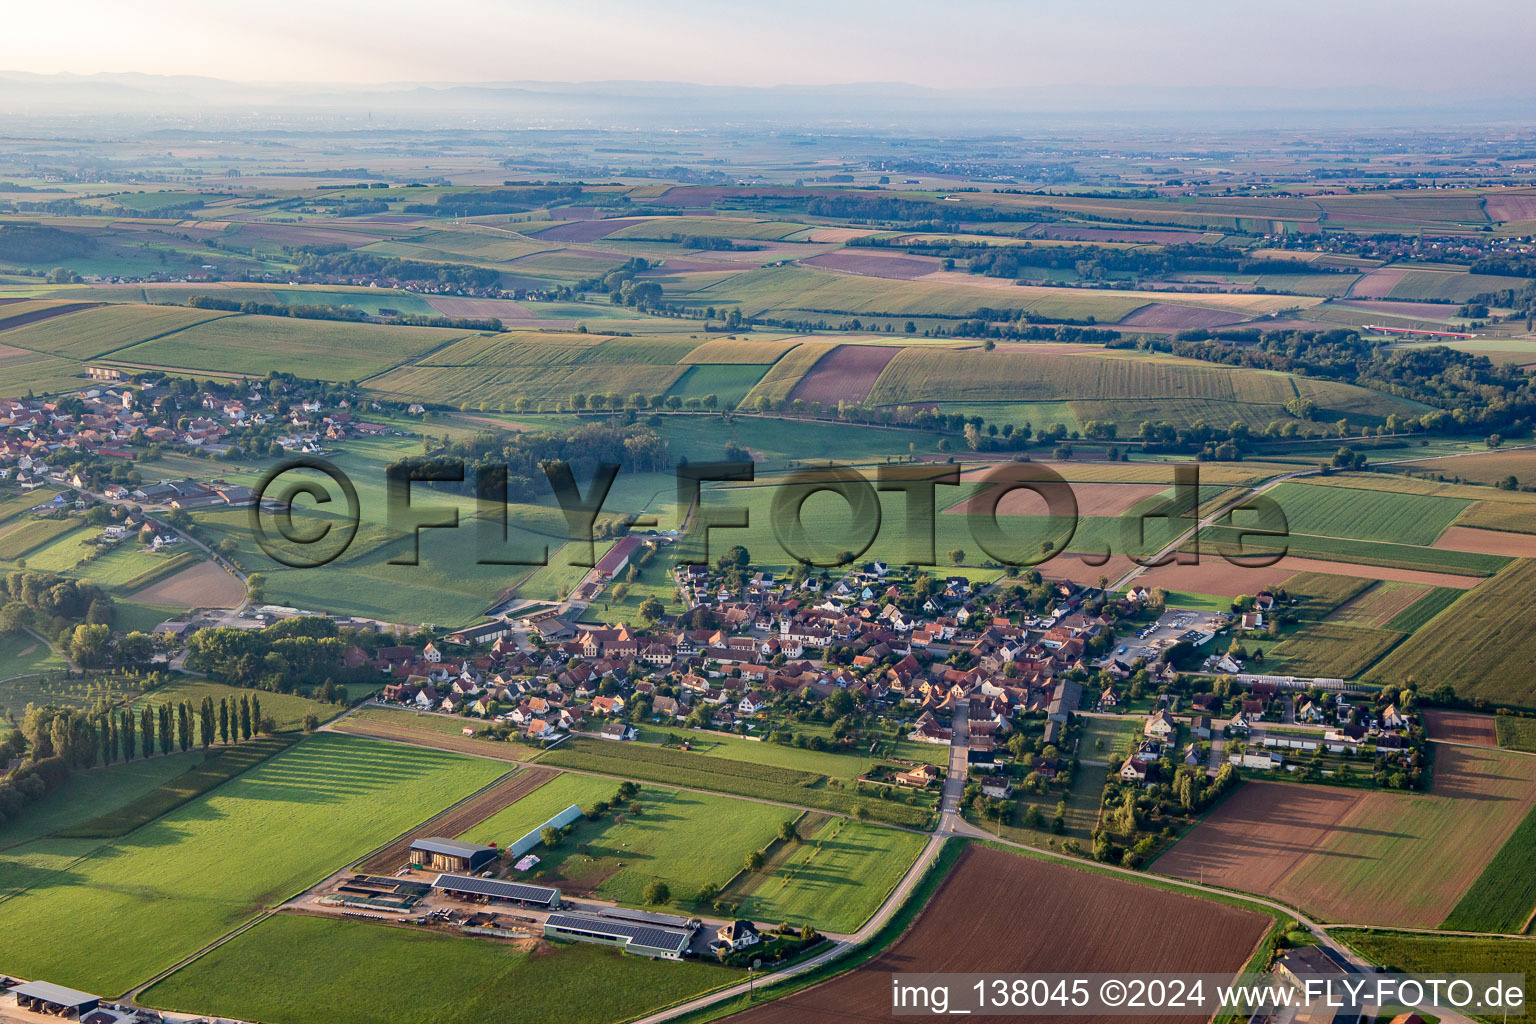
896	266
1074	233
1461	727
838	235
1179	318
1215	575
585	230
1389	858
742	350
1378	284
1377	606
502	309
984	913
1259	835
1484	467
458	820
429	738
1488	542
844	374
1412	310
1074	565
205	585
1502	206
1092	500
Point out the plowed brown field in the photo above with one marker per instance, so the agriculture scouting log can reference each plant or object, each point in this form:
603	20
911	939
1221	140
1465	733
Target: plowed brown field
1001	912
1461	727
844	374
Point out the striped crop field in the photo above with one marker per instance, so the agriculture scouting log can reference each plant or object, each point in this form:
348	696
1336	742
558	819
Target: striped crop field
102	329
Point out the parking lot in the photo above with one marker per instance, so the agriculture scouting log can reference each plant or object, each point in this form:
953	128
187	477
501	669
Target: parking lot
1151	640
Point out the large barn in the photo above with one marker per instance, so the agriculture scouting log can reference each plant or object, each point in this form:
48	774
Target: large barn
489	890
641	938
451	855
54	1000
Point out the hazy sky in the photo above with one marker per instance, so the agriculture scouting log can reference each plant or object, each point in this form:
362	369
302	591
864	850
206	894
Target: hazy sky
1474	44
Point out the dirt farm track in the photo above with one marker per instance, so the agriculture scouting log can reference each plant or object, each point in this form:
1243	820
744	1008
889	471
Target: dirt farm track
466	816
1001	912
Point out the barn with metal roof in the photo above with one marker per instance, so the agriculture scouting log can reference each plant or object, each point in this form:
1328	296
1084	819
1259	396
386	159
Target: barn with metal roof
632	936
489	890
451	854
54	1000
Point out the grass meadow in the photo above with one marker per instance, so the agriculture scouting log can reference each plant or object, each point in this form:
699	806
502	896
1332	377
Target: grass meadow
167	889
683	839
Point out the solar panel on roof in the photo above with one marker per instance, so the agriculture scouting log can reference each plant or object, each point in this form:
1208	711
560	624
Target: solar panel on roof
648	936
496	889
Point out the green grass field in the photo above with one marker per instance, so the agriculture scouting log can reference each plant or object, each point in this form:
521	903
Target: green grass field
1430	954
1504	896
1333	650
834	879
20	539
682	839
287	709
1482	645
177	884
17	502
359	965
1328	511
318	349
729	382
1516	733
92	333
1416	615
217	766
1359	552
93	793
723	775
23	656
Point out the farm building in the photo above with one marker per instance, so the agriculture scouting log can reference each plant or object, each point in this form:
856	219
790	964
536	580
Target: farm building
54	1000
484	633
488	890
533	838
613	563
640	938
451	855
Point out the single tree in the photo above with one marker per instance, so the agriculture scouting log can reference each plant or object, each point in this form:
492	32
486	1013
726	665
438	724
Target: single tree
164	728
656	892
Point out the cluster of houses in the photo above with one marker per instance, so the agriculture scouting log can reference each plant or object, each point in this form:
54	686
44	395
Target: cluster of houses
1346	724
112	417
765	640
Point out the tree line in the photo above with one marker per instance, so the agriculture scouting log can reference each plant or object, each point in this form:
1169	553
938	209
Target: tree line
64	740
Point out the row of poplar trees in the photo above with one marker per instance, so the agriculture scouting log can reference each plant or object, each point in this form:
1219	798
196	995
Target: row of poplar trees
169	727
